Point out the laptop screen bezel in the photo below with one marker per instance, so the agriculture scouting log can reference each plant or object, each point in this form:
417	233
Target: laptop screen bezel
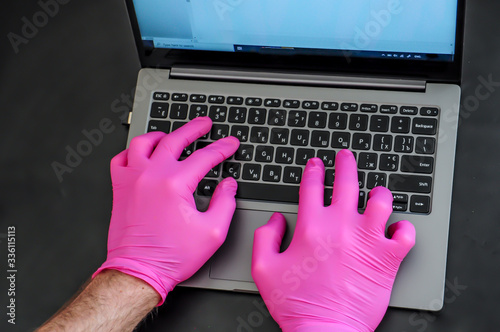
430	71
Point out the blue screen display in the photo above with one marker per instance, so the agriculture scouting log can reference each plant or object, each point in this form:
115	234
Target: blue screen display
384	27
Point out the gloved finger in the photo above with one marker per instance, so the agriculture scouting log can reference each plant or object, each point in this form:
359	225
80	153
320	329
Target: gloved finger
141	147
403	235
174	143
345	186
379	206
266	244
312	189
221	209
120	160
200	162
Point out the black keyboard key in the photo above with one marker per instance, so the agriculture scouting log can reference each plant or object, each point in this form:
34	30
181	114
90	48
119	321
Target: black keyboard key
403	144
235	100
328	196
320	139
410	183
163	126
317	120
179	97
207	187
198	110
202	144
292	174
251	172
276	117
268	192
194	98
329	106
244	153
230	169
264	153
327	156
425	145
303	155
259	135
240	132
216	99
219	131
177	125
159	110
376	180
218	113
253	101
329	177
179	111
389	162
341	140
401	198
299	137
420	204
310	105
237	114
349	107
358	122
368	108
382	143
272	103
367	161
399	207
429	111
417	164
361	179
284	155
361	200
214	172
400	124
257	116
271	173
361	141
408	110
279	136
291	103
163	96
297	119
379	123
424	126
388	109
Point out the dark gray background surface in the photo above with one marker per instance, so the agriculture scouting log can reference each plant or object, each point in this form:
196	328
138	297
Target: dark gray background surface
80	68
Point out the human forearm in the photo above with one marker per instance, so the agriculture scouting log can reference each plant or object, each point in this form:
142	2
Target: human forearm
112	301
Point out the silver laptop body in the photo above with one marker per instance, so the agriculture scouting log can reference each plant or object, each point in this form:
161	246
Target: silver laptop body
420	283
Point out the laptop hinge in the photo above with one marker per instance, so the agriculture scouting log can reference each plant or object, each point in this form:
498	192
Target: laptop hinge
297	78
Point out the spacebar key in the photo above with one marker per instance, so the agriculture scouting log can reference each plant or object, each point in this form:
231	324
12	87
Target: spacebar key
268	192
410	183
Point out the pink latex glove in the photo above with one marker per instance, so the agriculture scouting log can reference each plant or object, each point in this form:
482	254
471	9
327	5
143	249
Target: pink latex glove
338	272
156	233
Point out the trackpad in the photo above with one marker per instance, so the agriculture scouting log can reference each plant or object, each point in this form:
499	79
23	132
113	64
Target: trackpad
234	258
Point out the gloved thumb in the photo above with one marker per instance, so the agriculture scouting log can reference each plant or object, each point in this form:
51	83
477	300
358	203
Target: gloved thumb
222	207
267	242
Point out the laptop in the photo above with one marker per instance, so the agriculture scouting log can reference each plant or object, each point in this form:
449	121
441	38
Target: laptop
299	79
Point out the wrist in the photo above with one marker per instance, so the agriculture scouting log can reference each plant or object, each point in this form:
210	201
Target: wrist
139	271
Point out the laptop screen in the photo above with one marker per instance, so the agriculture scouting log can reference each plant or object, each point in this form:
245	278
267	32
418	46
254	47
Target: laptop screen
402	29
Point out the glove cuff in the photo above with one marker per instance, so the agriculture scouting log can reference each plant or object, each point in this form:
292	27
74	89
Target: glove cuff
137	270
326	327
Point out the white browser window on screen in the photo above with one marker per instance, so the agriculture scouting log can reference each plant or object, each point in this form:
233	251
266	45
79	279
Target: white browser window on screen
423	26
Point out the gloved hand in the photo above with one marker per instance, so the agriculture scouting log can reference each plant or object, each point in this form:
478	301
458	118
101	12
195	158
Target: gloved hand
338	272
156	233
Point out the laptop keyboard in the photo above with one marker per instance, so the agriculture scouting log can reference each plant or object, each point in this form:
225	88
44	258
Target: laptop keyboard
394	145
